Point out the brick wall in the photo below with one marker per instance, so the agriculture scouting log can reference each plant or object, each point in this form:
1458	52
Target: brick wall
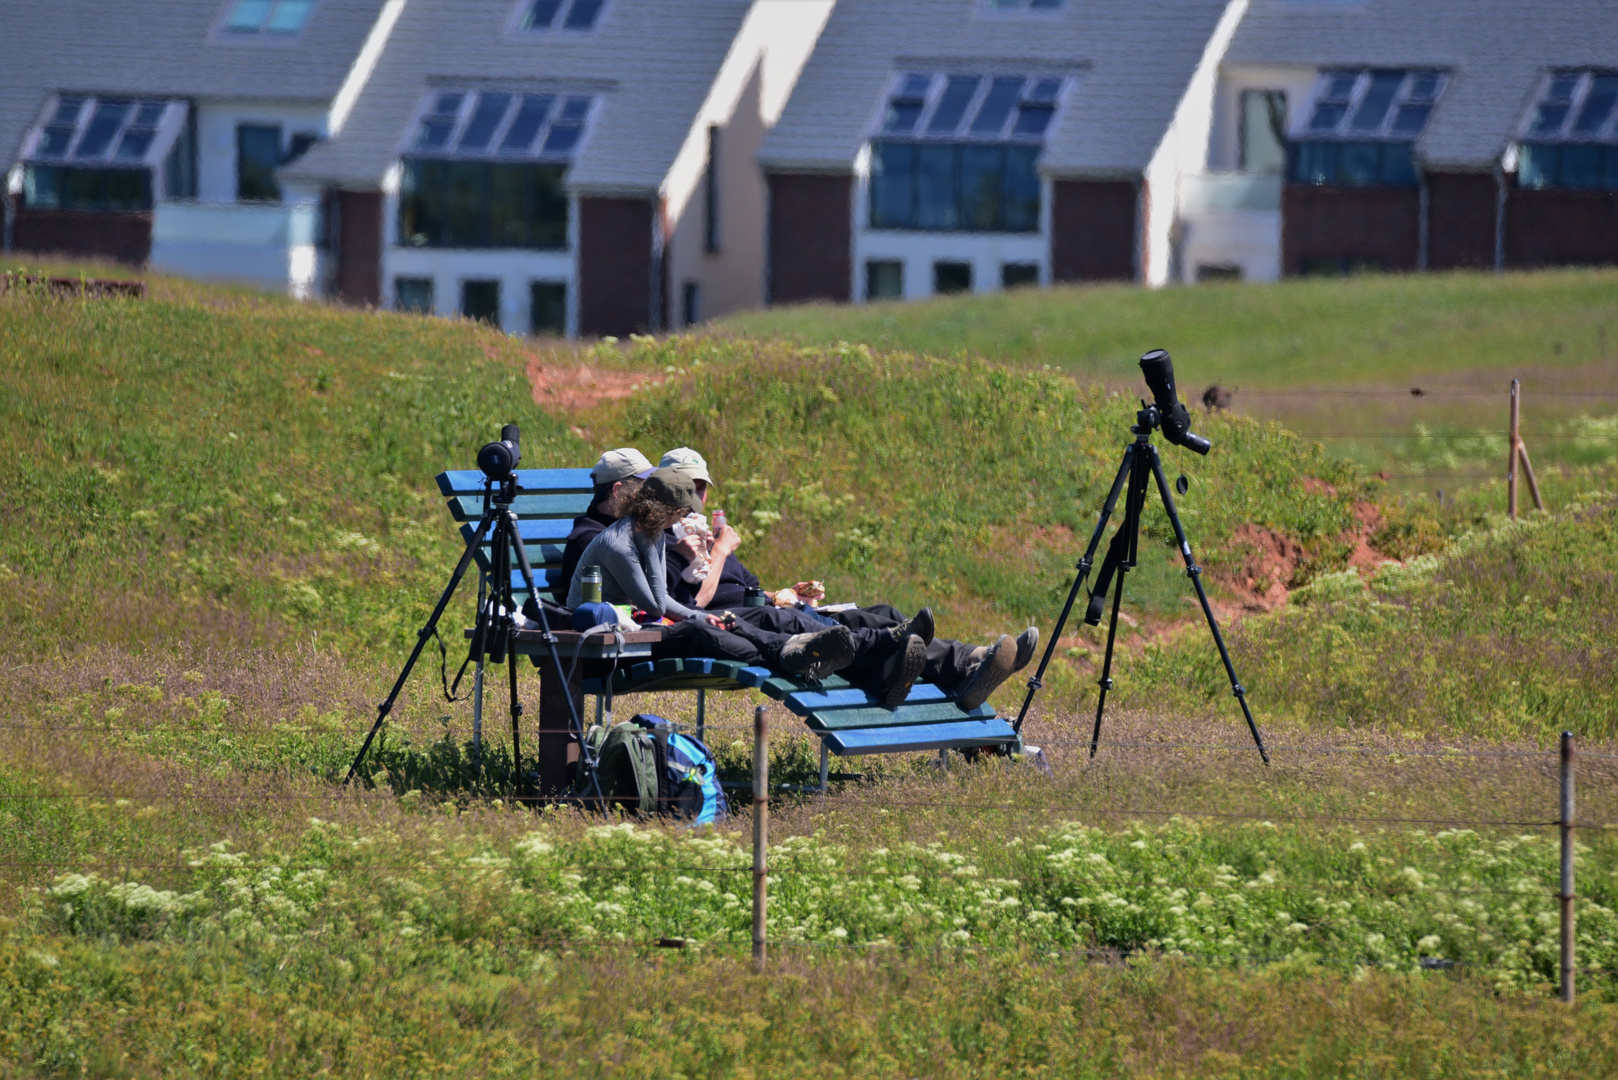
1561	228
356	231
1094	230
1345	228
120	235
810	237
1460	221
616	290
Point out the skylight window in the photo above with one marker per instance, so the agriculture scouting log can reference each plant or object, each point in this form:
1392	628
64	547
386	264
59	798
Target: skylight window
1015	6
112	131
1575	106
977	107
273	18
560	14
499	124
1373	104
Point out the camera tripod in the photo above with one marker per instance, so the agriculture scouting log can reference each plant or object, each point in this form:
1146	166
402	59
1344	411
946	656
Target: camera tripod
495	631
1140	465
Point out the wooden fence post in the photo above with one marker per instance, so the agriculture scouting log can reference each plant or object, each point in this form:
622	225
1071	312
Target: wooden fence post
761	832
1518	452
1566	895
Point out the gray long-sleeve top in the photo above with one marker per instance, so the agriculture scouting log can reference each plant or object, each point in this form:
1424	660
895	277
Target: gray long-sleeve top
632	571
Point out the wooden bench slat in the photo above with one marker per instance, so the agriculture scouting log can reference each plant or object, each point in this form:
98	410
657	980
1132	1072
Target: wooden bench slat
539	481
532	531
931	712
804	702
470	507
956	736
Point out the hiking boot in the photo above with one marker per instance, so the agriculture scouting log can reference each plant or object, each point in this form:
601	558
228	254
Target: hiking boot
1027	642
814	656
899	672
988	673
920	624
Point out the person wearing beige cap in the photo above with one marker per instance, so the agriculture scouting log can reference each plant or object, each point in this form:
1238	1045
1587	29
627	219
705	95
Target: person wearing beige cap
616	477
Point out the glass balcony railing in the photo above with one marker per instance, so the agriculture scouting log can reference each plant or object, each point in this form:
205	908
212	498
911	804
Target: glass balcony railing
244	224
1215	192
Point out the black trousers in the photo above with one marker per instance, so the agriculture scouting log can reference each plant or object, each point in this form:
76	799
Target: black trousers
749	643
947	660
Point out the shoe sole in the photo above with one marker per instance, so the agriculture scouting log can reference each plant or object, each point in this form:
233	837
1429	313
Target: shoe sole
910	660
1033	647
995	669
827	651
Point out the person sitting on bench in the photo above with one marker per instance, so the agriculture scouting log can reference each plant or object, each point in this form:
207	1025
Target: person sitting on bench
973	670
616	476
631	556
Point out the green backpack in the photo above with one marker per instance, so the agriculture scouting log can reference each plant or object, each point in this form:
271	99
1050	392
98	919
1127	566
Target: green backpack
638	774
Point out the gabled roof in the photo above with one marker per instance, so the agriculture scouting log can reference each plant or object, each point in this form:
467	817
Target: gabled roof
165	49
1132	59
1496	51
652	63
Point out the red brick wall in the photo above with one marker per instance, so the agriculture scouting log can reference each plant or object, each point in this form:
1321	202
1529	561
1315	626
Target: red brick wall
1375	228
1561	228
1460	221
616	290
810	237
356	232
120	235
1094	230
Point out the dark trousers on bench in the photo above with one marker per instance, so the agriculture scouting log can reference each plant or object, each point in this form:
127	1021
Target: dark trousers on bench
947	660
750	643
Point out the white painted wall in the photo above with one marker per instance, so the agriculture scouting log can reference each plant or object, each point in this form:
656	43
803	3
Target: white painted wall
1184	149
987	252
748	94
216	138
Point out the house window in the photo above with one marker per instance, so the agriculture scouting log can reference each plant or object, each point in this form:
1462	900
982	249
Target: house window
1570	135
275	18
884	279
482	204
958	153
499	125
1263	134
258	155
1018	275
414	294
1362	126
547	308
951	277
691	303
89	153
480	301
559	14
1014	6
710	192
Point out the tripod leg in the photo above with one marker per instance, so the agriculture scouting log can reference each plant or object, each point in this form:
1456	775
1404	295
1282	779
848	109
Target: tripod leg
516	719
1106	664
1194	572
421	639
1037	680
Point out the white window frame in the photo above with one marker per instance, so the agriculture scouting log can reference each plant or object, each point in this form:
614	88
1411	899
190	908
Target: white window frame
1302	118
517	20
170	123
492	152
962	132
224	32
1585	82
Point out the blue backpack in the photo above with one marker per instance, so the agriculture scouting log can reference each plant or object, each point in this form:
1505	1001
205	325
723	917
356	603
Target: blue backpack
687	775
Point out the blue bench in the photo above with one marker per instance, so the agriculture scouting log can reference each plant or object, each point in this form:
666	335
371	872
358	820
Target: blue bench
848	721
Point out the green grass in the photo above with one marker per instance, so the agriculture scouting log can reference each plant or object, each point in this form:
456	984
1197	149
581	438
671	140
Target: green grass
1303	332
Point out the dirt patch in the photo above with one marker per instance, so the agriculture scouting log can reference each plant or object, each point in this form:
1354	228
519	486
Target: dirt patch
1268	565
1316	486
561	388
1364	557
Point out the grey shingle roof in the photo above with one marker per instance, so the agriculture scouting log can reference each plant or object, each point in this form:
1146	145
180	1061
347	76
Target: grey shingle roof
1497	51
652	61
1134	60
164	49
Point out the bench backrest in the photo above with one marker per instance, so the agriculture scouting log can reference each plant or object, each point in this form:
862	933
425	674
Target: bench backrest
547	502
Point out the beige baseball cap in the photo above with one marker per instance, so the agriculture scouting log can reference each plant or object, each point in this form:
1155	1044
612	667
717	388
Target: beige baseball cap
620	464
687	462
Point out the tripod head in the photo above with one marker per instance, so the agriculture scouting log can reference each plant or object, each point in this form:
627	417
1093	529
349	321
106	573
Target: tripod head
498	462
1167	410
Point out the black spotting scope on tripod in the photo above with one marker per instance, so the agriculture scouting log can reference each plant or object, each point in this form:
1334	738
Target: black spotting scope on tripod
1140	465
494	632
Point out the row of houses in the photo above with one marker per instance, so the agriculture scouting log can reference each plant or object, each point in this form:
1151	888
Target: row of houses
607	166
